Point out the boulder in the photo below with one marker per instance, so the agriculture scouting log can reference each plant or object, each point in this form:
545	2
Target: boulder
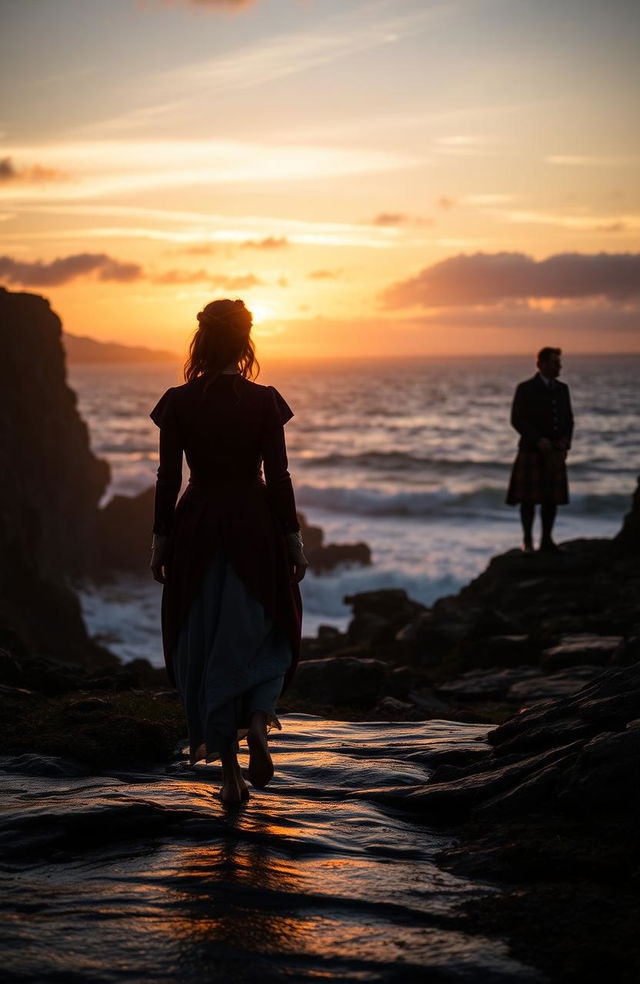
487	684
399	681
313	536
341	681
506	650
335	554
545	686
52	676
328	641
429	704
576	650
325	557
432	635
390	708
379	615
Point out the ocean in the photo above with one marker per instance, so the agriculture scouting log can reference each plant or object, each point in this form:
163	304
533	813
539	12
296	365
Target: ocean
410	455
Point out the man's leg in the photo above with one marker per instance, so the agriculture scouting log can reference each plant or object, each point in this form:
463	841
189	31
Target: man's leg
548	512
527	513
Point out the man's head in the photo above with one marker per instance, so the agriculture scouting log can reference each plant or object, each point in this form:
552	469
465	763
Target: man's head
549	361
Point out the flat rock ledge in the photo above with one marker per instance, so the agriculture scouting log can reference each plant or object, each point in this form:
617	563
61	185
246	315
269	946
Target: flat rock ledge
551	811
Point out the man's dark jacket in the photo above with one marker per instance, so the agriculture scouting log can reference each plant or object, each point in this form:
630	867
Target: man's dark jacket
539	411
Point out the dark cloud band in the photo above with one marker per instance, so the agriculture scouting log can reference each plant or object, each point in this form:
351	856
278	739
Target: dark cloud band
67	268
491	278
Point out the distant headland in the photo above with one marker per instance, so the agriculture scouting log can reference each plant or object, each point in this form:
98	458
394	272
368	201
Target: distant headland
81	348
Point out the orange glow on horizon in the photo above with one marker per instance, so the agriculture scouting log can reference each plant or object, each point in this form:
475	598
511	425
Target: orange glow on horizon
393	216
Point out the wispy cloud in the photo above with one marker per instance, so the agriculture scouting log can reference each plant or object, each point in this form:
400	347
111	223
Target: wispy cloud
593	160
489	198
492	278
585	221
202	249
466	145
29	174
392	220
268	243
202	229
225	5
114	167
269	59
324	274
389	219
171	278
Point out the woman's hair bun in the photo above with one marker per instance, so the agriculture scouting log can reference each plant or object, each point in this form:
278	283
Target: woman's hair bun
226	311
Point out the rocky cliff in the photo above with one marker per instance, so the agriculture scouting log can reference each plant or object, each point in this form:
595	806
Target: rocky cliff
51	484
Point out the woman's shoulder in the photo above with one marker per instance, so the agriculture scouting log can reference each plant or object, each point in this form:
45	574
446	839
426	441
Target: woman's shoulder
272	407
257	398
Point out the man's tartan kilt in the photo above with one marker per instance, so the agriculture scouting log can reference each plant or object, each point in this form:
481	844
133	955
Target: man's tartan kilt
537	477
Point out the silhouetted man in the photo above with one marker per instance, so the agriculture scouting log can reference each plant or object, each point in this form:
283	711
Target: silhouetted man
541	413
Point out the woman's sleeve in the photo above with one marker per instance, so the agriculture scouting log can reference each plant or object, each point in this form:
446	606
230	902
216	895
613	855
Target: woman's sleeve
169	475
275	463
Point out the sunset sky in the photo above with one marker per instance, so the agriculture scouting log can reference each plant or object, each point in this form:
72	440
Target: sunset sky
372	178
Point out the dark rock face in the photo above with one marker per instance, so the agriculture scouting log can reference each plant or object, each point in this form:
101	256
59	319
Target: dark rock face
124	532
51	484
574	753
628	539
529	628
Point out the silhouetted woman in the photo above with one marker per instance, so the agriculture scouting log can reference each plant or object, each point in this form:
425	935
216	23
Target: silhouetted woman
230	553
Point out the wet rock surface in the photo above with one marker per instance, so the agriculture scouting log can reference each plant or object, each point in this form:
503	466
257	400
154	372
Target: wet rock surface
313	878
553	811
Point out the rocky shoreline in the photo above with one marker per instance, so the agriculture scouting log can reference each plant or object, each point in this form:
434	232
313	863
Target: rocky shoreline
548	809
545	646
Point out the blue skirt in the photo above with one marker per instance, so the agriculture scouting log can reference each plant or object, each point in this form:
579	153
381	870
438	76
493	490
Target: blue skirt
230	660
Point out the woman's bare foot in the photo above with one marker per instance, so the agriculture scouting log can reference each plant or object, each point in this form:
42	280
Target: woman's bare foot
244	789
234	789
233	792
260	761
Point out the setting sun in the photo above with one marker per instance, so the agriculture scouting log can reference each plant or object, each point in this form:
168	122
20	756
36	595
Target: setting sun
403	214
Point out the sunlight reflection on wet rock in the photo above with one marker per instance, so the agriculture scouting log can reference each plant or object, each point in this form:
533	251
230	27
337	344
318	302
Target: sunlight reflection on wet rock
107	878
